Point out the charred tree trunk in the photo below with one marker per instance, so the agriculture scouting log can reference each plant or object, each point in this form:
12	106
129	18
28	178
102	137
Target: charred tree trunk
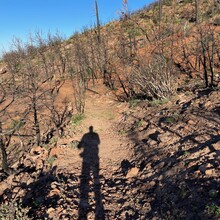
36	122
98	21
4	153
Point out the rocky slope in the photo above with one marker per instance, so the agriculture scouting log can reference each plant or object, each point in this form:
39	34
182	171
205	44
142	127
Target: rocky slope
158	160
178	154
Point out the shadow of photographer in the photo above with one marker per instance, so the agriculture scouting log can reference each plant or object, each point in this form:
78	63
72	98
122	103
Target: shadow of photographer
90	171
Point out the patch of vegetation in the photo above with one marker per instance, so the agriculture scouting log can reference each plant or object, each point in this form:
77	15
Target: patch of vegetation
213	194
51	160
74	144
213	210
139	123
122	132
188	93
69	41
186	153
182	193
110	116
133	103
77	119
172	119
53	140
13	210
16	124
157	102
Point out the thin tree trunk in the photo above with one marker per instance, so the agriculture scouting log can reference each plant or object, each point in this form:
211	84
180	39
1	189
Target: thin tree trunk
36	122
4	153
98	21
197	11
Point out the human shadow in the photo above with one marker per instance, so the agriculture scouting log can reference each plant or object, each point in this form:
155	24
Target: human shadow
90	171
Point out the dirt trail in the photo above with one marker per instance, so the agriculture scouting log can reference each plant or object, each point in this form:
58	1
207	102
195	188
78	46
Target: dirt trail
175	160
92	182
102	112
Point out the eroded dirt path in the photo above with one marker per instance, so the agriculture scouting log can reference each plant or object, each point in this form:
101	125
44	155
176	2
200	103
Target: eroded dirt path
103	113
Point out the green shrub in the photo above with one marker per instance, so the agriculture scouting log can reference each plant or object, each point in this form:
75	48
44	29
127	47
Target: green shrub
133	102
157	102
172	119
213	210
51	160
139	123
77	119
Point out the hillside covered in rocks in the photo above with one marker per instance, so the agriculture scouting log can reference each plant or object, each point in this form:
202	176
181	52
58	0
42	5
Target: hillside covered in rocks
157	161
121	121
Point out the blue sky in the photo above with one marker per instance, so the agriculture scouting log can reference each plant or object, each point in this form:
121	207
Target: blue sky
19	18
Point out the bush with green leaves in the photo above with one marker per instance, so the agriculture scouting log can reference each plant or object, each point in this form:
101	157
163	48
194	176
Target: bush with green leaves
213	210
77	119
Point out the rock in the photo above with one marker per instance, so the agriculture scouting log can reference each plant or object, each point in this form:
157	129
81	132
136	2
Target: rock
28	162
3	187
216	146
167	138
187	128
133	172
50	210
181	99
55	152
152	183
39	164
191	122
160	165
54	192
36	150
3	70
204	168
150	132
151	142
208	104
147	207
54	185
210	172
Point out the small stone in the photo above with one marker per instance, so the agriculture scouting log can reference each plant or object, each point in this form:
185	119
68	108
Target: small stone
152	183
210	172
3	187
39	164
133	172
207	104
54	192
191	122
160	165
216	146
151	142
147	207
50	210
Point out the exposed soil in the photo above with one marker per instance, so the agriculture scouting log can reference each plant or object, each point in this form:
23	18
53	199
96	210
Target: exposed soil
153	162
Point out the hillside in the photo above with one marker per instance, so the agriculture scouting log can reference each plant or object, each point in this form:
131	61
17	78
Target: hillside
121	125
162	163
